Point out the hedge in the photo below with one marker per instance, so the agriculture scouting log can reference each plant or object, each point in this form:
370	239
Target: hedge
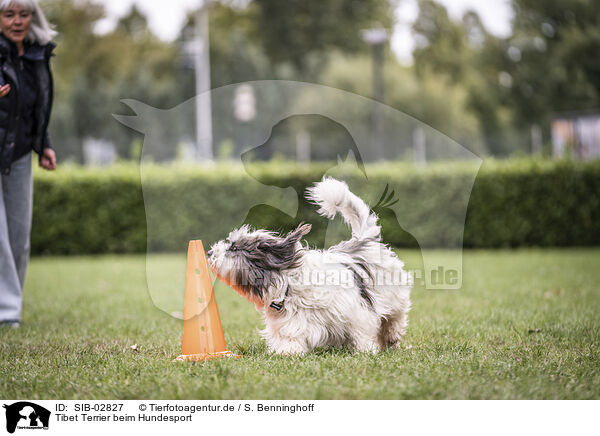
512	203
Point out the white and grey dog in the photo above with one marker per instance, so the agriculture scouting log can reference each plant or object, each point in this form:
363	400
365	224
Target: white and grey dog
355	293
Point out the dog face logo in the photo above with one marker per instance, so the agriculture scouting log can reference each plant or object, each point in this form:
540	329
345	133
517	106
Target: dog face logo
25	415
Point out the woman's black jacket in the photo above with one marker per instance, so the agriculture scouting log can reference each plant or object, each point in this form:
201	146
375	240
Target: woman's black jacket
9	104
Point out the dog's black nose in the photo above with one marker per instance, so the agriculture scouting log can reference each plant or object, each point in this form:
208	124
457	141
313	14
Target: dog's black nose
210	252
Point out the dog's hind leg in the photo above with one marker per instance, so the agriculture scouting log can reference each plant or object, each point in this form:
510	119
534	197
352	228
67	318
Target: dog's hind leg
393	330
363	336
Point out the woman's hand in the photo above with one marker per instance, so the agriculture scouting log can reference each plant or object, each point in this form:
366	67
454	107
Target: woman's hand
4	90
48	160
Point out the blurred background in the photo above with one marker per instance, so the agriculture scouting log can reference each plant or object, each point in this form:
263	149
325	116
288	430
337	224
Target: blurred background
510	88
502	78
515	83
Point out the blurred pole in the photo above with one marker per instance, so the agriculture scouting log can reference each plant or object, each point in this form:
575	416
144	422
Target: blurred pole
377	38
204	139
536	139
378	95
303	147
419	146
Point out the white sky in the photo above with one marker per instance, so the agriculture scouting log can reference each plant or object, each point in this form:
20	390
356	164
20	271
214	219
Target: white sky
166	17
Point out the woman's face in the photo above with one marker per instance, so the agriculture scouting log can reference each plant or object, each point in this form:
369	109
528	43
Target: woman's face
15	22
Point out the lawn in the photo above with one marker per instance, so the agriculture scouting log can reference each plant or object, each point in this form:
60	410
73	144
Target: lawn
525	325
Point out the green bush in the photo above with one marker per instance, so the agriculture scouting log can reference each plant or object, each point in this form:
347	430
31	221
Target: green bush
529	203
513	203
83	211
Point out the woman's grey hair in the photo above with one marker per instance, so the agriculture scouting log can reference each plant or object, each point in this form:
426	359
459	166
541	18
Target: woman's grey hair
41	31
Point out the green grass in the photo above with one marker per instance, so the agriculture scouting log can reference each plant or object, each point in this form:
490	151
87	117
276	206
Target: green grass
525	325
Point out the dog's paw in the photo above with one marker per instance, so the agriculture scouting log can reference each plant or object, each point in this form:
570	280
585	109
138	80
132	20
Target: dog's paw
367	347
395	344
289	349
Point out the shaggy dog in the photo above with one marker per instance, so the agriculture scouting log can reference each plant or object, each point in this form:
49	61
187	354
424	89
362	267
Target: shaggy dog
355	293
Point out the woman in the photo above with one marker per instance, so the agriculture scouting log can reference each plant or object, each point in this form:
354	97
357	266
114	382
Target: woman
25	104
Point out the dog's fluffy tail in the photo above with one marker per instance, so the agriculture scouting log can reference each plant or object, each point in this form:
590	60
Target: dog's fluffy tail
333	196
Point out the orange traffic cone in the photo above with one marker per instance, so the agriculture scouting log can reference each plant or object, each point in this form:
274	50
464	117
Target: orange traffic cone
203	337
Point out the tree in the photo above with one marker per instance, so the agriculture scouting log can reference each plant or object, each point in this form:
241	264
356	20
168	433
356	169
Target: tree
467	56
441	43
75	24
555	65
94	72
303	33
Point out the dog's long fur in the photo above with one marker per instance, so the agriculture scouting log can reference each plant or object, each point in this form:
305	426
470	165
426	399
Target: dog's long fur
356	293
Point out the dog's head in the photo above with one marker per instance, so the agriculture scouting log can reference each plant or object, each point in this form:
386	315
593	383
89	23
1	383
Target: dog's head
252	261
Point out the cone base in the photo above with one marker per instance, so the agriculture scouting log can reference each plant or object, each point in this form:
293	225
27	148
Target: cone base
205	356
